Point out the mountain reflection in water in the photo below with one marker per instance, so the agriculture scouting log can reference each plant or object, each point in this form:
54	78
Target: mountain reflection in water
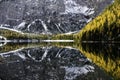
53	63
106	56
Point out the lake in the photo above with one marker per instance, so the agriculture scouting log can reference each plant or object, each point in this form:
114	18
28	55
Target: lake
51	61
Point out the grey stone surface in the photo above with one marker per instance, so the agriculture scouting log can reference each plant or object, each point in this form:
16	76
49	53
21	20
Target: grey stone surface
59	16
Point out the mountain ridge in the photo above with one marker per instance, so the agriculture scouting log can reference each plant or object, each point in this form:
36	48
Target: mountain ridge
58	16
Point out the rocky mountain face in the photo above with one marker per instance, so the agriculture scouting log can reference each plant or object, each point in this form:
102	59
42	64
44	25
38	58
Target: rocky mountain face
49	16
48	63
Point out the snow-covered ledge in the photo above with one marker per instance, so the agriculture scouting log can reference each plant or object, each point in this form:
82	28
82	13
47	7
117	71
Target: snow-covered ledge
3	41
58	40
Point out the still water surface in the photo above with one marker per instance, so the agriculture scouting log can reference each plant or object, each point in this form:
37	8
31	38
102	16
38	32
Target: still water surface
25	61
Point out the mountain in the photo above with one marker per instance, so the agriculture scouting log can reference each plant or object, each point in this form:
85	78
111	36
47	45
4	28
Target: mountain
12	34
105	27
49	16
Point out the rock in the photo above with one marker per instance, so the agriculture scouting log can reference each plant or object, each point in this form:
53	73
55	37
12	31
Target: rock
59	16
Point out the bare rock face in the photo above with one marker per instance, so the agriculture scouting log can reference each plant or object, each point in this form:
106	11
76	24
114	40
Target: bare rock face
49	16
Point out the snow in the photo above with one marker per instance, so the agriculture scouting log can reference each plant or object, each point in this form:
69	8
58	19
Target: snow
71	32
11	51
21	56
89	20
1	27
69	47
3	42
45	54
73	72
44	25
72	7
1	37
58	40
28	27
58	53
30	55
21	25
58	27
89	11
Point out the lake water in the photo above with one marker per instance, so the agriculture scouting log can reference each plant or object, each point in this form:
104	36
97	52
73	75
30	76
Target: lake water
45	61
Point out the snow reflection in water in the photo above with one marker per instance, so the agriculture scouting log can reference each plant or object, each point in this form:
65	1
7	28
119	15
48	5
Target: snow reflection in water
2	41
48	63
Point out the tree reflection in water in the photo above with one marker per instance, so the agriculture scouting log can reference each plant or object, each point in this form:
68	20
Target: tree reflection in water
47	63
104	55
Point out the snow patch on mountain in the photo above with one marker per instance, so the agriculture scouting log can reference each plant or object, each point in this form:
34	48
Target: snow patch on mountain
72	7
57	40
21	25
49	16
38	25
2	27
71	32
44	26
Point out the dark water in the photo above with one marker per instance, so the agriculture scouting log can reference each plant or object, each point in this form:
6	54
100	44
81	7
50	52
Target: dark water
46	62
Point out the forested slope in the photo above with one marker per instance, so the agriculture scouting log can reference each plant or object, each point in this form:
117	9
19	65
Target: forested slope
10	35
105	27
